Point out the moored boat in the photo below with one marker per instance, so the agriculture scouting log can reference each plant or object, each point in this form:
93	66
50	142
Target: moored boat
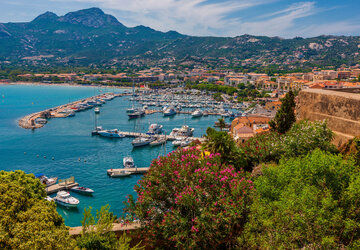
119	173
46	180
97	110
128	162
155	129
111	133
83	190
169	112
141	141
64	198
197	113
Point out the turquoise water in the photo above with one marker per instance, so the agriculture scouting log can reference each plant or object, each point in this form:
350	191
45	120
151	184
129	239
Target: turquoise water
68	139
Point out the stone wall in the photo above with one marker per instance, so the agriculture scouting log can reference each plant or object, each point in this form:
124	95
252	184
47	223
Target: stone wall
340	109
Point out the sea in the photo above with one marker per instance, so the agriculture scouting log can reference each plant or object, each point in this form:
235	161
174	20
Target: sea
65	148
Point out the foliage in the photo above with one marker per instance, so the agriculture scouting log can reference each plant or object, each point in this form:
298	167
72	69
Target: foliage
351	149
285	116
27	220
222	123
188	200
302	138
221	142
99	235
306	202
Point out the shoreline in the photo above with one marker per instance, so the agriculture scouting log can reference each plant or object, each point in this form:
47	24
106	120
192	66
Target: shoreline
62	84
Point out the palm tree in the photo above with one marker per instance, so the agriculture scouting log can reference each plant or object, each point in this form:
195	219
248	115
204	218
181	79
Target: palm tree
221	123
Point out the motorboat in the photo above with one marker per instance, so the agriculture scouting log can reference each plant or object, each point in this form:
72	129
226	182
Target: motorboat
141	141
185	143
64	198
184	131
128	162
97	110
158	142
40	121
119	173
82	190
155	129
169	112
46	180
197	113
96	130
136	114
205	113
177	142
111	133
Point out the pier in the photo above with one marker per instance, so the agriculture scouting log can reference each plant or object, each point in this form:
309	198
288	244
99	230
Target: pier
167	137
131	170
60	187
29	121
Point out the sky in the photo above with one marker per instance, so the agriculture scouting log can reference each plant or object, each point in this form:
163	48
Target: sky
283	18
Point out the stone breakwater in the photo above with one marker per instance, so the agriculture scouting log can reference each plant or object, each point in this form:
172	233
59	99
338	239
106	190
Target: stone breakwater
30	121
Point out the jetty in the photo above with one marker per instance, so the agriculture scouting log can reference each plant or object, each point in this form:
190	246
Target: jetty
131	170
30	121
159	136
65	184
117	227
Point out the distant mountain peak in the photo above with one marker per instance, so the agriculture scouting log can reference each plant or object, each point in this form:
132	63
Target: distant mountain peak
46	16
93	17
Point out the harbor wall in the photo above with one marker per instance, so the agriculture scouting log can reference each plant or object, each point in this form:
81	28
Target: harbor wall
340	109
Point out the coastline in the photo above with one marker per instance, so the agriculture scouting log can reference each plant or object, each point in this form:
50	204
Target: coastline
62	84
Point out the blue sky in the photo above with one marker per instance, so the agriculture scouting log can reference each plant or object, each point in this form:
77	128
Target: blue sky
284	18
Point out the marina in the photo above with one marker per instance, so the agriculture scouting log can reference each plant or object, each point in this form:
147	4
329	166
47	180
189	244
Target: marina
65	147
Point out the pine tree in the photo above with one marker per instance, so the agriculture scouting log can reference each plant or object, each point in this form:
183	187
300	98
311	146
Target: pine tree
285	116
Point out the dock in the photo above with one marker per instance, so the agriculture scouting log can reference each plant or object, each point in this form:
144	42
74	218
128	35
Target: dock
60	187
167	137
131	170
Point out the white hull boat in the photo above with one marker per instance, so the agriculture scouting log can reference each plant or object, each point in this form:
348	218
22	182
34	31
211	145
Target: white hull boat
82	190
111	133
128	162
64	199
141	141
120	173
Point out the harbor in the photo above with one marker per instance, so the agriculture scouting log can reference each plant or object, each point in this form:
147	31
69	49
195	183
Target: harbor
65	147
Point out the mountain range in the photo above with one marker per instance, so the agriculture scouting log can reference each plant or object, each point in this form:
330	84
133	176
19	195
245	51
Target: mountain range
91	37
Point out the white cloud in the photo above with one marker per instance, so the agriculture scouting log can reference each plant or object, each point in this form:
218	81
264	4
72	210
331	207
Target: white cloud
201	17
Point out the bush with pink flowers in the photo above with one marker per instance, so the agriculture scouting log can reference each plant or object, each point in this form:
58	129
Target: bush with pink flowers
188	200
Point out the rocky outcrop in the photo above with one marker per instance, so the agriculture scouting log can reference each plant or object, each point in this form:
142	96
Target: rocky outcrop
340	109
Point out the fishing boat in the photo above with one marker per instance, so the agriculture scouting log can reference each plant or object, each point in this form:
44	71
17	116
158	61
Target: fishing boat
111	133
155	129
64	198
119	173
82	190
97	110
128	162
46	180
141	141
197	113
169	112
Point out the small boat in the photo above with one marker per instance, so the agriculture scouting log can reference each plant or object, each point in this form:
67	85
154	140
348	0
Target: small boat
111	133
155	129
46	180
185	143
141	141
63	198
169	112
128	162
197	113
83	190
136	114
177	142
205	113
119	173
97	110
158	142
184	131
96	130
48	198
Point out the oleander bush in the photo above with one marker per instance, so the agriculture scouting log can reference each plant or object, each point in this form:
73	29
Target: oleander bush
188	200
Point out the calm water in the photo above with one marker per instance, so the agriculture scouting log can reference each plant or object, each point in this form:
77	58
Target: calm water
69	139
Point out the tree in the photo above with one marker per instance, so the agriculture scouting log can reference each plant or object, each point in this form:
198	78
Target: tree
285	116
27	220
188	200
222	123
221	142
306	202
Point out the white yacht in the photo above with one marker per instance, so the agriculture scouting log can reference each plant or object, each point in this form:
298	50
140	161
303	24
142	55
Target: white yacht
197	113
184	131
46	180
155	129
97	110
63	198
158	142
111	133
128	162
177	142
141	141
169	111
